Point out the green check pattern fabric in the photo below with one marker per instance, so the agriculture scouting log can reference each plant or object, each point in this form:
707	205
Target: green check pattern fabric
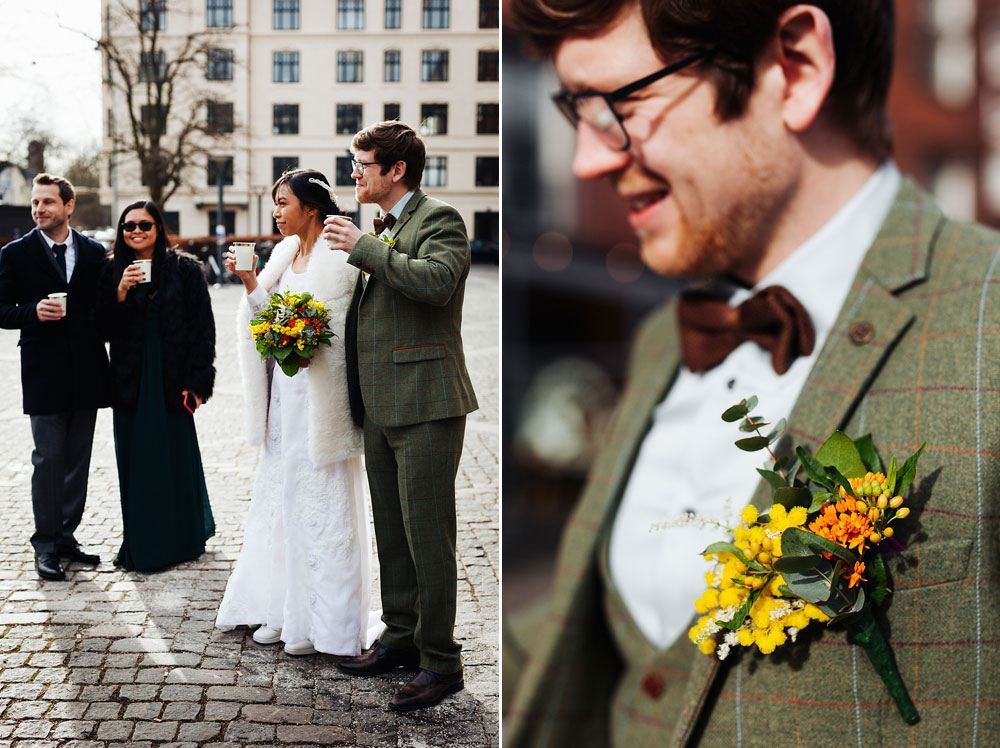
928	295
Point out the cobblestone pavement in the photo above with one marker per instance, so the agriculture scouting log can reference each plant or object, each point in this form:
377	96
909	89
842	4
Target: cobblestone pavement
112	658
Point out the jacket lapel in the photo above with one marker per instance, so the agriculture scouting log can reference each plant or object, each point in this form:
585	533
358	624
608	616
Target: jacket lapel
869	325
408	210
46	258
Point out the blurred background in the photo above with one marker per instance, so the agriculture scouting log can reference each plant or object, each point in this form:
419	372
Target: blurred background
574	289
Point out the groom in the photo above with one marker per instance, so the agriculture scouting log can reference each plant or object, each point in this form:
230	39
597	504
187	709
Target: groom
63	365
411	390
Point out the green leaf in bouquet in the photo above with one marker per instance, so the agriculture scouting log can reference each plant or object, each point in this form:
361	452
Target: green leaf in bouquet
812	584
868	454
724	547
290	366
845	601
775	479
752	443
785	591
836	477
819	499
751	403
281	354
878	578
776	432
737	620
909	470
796	564
793	496
736	412
798	542
814	468
890	477
752	423
839	451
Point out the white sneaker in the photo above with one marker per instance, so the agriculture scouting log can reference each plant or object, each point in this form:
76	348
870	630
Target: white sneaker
304	647
267	635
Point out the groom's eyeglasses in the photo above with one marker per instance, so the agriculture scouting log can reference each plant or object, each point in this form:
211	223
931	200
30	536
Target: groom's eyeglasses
597	108
129	226
360	165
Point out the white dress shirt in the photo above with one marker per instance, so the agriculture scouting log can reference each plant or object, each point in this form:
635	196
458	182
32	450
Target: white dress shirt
70	251
687	464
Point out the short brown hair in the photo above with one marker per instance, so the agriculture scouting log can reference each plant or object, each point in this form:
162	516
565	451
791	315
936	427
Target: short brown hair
391	142
66	191
735	32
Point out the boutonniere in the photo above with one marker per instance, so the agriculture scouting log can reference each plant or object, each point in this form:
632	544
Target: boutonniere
386	239
815	555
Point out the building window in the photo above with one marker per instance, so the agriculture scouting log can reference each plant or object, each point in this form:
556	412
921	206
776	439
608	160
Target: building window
390	112
219	64
489	65
228	220
219	117
151	120
154	15
350	67
393	14
487	171
489	14
348	119
390	69
436	171
434	65
436	14
487	119
213	170
281	164
343	171
152	66
350	14
286	67
286	14
219	13
286	119
433	119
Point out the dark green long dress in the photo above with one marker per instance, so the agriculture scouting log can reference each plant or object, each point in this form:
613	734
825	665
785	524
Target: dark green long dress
166	516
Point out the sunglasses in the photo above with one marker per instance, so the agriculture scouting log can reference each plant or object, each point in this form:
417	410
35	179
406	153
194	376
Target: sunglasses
129	226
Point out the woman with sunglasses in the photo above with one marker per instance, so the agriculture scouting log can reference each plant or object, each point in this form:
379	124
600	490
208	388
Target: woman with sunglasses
304	573
162	336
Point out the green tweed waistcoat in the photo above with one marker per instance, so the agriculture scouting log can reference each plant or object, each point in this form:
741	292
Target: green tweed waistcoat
914	356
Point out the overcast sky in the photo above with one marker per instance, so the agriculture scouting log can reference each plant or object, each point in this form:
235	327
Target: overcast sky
50	73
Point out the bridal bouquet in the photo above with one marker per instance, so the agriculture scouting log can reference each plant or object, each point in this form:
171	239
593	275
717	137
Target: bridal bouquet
290	328
815	555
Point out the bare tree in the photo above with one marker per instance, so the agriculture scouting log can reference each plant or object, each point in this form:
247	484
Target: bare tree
155	76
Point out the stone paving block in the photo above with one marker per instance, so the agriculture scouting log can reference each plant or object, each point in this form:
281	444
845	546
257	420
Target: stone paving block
249	732
279	715
170	659
238	693
102	710
314	734
181	710
181	693
67	710
143	710
140	645
32	728
294	696
26	709
155	731
221	710
151	675
199	731
114	729
73	729
200	676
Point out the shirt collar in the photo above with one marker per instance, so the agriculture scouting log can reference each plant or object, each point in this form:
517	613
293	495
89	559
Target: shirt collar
397	209
50	243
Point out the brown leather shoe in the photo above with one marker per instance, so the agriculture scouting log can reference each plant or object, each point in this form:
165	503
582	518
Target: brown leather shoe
379	660
426	689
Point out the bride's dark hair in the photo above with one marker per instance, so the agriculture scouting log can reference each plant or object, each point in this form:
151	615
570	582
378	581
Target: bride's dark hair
304	185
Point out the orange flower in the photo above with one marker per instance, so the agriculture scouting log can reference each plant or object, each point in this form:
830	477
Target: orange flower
859	569
844	524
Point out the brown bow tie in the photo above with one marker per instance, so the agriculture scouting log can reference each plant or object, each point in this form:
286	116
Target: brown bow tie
772	318
385	222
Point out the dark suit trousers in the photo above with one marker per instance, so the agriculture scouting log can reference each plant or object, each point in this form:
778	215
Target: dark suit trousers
411	473
61	459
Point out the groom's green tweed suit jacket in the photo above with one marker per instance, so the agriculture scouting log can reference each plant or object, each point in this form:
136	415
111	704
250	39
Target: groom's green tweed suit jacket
411	361
928	293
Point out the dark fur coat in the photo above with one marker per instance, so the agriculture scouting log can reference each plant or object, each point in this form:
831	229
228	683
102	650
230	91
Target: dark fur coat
187	326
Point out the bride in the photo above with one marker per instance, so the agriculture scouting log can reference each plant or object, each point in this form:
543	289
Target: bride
304	572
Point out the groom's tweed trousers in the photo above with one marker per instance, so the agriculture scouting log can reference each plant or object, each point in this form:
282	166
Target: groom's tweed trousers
914	356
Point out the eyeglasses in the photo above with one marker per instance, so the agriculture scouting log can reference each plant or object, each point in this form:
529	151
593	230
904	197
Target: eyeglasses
360	165
597	108
130	226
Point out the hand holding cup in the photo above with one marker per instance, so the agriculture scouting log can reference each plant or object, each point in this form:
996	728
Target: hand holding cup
248	277
49	310
340	233
132	276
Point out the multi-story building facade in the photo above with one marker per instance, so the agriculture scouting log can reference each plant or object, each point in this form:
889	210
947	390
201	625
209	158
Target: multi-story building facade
289	82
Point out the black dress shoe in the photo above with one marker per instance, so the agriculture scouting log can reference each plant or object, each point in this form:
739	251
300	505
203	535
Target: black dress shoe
426	689
76	553
48	566
379	659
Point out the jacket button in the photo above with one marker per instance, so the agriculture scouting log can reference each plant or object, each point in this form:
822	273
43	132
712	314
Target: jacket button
861	332
652	686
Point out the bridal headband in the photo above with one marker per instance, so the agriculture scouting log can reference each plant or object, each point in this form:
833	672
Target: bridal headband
325	186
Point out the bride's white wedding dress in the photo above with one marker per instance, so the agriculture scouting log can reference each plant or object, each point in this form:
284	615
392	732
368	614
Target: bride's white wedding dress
305	566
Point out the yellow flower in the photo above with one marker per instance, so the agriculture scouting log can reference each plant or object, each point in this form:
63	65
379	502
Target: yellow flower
749	514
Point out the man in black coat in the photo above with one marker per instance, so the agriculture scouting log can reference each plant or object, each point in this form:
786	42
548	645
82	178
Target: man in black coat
63	364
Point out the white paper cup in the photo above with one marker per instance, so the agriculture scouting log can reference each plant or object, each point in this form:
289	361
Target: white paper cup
59	296
147	269
244	255
329	242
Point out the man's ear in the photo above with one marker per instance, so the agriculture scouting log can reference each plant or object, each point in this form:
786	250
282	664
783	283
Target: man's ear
398	171
804	50
70	205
